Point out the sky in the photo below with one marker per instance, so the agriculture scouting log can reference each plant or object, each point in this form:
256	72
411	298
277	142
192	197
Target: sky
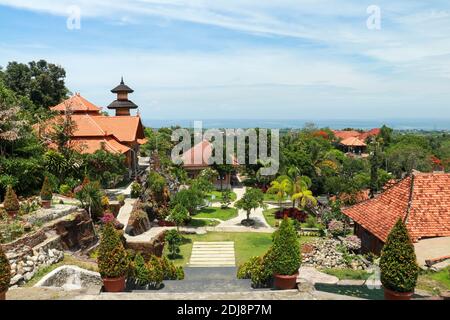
244	59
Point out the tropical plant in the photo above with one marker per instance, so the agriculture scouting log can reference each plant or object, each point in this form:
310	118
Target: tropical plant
285	257
140	273
112	258
156	273
179	215
46	190
65	190
174	240
280	188
251	200
5	271
300	191
226	198
136	190
11	202
398	263
90	197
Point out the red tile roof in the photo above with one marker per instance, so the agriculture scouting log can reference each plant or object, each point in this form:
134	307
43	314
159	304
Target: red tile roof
346	134
198	155
77	104
353	142
422	200
90	145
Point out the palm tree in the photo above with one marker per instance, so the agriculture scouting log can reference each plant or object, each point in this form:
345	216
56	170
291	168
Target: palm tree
280	187
300	191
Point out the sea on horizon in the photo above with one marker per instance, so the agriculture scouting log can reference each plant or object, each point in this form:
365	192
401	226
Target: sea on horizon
398	124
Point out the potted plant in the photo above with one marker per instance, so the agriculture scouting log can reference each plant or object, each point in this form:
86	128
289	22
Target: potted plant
5	274
46	194
112	260
285	258
398	264
11	203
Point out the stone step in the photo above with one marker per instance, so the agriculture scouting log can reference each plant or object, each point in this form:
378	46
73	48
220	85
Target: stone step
229	285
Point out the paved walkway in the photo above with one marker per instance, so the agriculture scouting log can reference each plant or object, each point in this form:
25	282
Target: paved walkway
432	248
213	254
234	225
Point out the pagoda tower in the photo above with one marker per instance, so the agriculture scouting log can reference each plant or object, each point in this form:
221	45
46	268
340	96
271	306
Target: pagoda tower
122	105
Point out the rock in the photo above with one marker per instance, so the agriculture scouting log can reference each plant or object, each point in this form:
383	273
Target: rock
30	263
304	285
13	266
27	269
15	279
50	253
27	276
441	265
313	276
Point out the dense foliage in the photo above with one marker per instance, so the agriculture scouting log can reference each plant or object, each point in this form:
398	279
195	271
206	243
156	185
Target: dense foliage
5	271
398	264
174	240
11	202
112	258
46	191
252	199
285	251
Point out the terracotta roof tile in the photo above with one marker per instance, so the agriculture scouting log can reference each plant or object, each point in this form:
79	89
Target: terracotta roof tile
77	104
353	142
422	200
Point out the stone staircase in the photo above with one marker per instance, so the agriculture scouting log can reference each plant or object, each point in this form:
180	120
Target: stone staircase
213	254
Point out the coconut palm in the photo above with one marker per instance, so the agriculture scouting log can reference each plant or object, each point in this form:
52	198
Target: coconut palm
300	191
280	187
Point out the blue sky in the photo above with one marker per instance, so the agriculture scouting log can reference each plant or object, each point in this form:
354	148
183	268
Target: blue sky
261	59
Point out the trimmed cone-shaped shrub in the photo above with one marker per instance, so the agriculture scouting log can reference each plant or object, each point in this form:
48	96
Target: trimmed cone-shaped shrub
112	258
5	271
141	273
11	202
46	191
398	264
285	258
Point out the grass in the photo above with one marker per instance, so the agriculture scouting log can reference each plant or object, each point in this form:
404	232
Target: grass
269	215
247	244
196	223
272	197
434	282
68	260
218	196
218	213
347	274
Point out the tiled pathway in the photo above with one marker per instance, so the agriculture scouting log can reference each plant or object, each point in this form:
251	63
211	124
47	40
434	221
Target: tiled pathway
213	254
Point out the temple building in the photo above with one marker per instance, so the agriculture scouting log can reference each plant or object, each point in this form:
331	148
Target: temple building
122	133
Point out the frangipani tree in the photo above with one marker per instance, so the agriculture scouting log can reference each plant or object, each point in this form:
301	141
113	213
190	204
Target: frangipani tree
251	200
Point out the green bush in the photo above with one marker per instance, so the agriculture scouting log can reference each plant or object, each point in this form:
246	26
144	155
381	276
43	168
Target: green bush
136	190
140	272
284	257
311	221
112	258
398	264
156	273
180	273
170	271
65	189
257	270
174	240
5	271
11	202
46	190
179	215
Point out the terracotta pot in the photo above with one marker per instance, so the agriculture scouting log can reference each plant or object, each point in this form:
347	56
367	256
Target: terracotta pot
283	282
392	295
114	284
46	204
13	213
3	295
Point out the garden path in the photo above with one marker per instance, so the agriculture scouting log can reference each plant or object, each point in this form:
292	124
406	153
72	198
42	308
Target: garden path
212	254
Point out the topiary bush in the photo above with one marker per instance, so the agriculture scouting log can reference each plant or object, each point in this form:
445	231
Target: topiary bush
112	258
257	270
11	202
284	257
5	271
46	190
140	272
398	264
174	240
136	190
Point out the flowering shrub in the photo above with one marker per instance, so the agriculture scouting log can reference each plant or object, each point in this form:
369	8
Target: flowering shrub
336	228
107	217
353	243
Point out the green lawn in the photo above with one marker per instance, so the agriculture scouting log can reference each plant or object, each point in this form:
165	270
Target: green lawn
247	244
269	215
434	281
218	196
218	213
348	274
271	197
196	223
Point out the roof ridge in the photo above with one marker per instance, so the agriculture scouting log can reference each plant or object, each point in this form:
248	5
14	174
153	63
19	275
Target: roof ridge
410	200
92	120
